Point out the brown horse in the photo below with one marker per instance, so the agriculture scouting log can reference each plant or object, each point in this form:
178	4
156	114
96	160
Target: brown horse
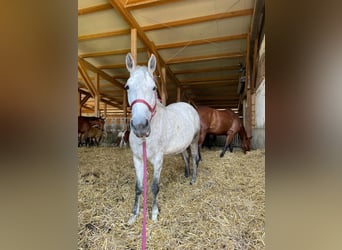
84	125
222	122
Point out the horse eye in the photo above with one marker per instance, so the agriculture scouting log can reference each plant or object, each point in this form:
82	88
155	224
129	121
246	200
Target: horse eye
127	87
154	88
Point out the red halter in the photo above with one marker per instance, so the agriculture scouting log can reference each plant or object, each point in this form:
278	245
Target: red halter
151	109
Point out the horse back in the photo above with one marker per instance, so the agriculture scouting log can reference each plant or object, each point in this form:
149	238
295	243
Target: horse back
215	121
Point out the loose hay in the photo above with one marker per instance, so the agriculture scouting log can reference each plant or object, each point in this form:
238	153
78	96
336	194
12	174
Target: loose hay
224	209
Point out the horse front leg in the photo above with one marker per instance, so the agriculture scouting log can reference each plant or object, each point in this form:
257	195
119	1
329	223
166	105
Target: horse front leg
157	167
229	139
139	171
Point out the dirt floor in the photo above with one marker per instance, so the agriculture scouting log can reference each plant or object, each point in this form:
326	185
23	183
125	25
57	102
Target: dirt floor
224	209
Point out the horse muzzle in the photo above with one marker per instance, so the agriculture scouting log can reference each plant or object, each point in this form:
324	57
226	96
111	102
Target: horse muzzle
141	129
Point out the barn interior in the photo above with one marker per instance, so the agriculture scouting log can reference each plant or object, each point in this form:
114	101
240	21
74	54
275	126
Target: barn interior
209	52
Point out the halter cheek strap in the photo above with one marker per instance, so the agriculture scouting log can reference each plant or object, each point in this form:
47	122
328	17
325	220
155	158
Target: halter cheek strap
151	109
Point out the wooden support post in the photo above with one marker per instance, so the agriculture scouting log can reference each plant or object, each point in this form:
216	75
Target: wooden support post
178	94
124	104
163	83
255	61
248	90
134	44
97	97
79	104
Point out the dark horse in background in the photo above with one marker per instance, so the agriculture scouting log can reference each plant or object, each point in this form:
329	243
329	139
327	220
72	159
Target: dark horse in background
85	127
222	122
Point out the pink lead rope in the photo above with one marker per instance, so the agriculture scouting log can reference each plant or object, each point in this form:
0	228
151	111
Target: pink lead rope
143	233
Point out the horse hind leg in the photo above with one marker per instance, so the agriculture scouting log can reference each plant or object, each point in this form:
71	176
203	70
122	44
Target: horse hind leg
195	160
186	159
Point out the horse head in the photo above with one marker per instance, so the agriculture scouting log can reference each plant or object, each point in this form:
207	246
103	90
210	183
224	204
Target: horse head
141	94
246	144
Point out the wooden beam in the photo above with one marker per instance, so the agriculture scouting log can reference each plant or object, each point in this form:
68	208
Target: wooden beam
212	83
193	20
103	74
134	39
178	94
111	101
206	57
118	5
86	79
135	4
109	53
97	96
248	91
119	66
201	41
96	8
255	61
209	79
204	70
85	99
163	83
104	34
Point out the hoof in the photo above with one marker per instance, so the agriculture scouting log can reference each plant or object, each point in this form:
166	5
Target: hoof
132	219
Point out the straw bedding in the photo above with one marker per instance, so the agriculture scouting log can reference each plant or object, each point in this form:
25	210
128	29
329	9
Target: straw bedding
224	209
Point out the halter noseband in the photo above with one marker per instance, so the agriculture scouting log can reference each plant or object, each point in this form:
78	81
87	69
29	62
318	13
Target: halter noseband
151	109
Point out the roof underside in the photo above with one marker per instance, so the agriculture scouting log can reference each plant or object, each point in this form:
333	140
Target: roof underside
200	43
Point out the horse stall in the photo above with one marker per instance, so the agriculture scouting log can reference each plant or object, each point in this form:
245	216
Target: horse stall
224	209
148	66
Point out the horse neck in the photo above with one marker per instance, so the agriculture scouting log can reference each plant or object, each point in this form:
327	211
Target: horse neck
243	133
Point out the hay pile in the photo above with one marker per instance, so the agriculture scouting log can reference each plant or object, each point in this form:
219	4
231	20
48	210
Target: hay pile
224	209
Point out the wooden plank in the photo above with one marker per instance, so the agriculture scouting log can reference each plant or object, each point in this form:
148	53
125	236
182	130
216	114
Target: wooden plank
135	4
109	53
204	70
201	41
209	79
212	83
104	34
119	66
206	57
93	9
189	21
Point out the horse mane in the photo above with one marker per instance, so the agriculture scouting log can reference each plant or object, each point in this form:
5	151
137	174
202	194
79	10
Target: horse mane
242	131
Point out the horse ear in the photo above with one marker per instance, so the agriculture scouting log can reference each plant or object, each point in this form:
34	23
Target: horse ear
152	64
130	65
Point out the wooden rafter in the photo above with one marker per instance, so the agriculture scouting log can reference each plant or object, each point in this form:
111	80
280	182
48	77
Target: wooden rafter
104	34
193	20
103	74
109	53
135	4
203	70
118	5
86	78
211	83
208	79
201	41
206	57
92	9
